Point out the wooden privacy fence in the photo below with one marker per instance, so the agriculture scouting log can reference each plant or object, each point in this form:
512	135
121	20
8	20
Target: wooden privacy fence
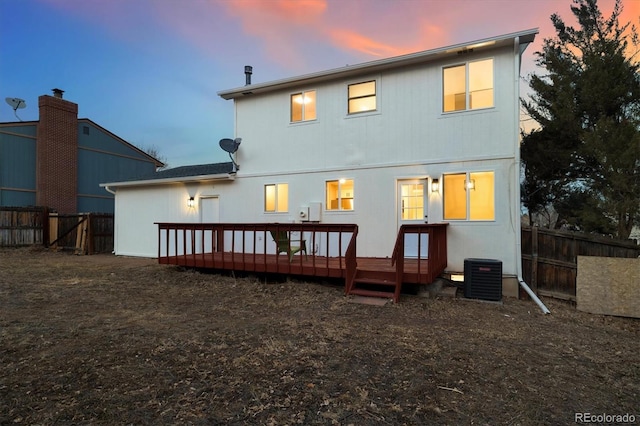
550	258
23	226
86	233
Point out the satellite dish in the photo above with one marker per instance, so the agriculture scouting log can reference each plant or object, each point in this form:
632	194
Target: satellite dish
231	146
16	104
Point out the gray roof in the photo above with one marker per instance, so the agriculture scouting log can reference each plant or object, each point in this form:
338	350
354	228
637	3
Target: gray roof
187	171
196	172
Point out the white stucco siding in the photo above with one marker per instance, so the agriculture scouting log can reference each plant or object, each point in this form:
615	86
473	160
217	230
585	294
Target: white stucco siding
376	212
375	209
409	124
137	209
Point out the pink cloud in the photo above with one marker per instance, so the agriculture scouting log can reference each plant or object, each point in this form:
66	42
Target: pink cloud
350	40
279	26
292	32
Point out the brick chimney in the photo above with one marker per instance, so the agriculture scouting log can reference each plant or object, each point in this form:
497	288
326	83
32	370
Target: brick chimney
57	153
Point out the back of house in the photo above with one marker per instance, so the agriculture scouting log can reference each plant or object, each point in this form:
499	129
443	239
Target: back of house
426	137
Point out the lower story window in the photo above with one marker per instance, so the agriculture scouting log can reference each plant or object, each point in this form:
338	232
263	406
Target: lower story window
469	196
276	198
340	194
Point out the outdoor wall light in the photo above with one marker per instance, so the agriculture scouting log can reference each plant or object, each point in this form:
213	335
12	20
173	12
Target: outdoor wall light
435	185
191	202
471	184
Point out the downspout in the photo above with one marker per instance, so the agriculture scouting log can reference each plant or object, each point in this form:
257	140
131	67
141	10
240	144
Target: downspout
518	54
115	226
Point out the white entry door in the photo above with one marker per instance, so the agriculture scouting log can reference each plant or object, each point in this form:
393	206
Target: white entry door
412	209
209	210
209	213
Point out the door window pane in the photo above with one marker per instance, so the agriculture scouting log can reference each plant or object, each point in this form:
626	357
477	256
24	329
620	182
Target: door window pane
412	201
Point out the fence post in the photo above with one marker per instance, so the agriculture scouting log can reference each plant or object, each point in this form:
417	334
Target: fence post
534	259
89	234
52	220
44	220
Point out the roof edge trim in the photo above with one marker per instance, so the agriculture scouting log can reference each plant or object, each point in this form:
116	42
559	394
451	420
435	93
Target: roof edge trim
525	36
149	182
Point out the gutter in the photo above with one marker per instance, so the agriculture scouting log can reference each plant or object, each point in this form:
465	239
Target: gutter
183	179
377	65
523	284
106	187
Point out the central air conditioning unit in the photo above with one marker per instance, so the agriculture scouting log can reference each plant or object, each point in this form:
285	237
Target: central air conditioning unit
483	279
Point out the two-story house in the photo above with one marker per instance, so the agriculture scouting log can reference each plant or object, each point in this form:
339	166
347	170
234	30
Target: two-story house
426	137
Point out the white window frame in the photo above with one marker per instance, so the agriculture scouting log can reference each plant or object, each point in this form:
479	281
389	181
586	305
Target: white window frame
467	93
303	119
275	201
340	198
467	179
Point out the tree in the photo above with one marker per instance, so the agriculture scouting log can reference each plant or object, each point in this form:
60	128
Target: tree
584	159
155	153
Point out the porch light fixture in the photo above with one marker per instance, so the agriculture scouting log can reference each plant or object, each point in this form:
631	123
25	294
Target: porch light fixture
471	184
435	185
191	202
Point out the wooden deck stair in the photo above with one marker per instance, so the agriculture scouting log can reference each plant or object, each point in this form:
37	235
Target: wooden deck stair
386	281
372	283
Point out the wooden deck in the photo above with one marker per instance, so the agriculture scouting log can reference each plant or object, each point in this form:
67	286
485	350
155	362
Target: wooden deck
415	271
330	251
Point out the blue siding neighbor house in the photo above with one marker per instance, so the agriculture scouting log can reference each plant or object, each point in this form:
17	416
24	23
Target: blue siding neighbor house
60	160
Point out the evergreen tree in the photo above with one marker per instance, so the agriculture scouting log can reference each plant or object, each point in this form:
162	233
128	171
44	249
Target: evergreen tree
584	159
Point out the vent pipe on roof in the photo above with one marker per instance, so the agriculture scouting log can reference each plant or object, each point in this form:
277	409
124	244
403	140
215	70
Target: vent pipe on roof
57	93
248	70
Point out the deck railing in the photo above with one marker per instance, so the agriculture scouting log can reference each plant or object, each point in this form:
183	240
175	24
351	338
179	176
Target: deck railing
430	240
250	247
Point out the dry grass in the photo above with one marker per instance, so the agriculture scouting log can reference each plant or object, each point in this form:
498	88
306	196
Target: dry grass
107	340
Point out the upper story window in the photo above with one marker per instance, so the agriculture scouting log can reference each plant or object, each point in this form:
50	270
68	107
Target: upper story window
468	86
303	106
276	198
362	97
469	196
340	194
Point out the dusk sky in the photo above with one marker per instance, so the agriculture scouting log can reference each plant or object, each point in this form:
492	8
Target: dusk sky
149	70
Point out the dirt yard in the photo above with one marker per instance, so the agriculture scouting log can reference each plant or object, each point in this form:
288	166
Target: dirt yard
108	340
